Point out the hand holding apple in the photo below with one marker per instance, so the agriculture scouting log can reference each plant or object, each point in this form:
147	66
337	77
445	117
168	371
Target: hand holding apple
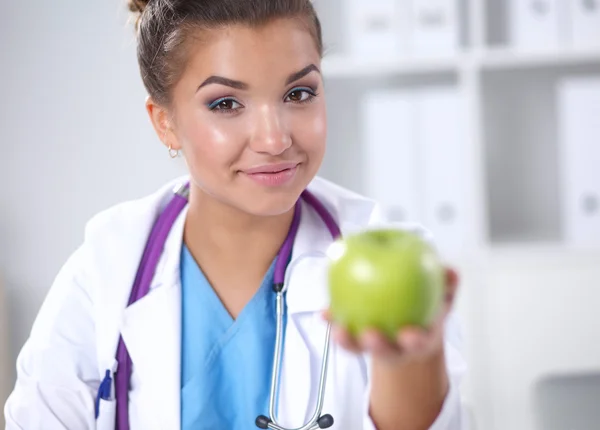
390	294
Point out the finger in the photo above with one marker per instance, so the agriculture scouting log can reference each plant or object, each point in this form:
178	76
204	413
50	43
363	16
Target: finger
376	342
450	291
416	341
345	339
451	285
452	278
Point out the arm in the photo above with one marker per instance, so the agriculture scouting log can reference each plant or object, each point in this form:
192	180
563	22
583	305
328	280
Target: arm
422	393
56	370
408	395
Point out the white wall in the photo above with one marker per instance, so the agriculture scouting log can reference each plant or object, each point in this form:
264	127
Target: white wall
74	138
6	377
542	321
528	314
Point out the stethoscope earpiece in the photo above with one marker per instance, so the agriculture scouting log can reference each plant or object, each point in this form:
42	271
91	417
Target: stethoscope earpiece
324	422
262	422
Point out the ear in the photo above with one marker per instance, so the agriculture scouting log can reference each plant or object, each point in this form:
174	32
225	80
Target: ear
162	123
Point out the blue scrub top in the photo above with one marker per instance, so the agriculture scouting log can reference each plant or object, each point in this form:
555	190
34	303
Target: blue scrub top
226	364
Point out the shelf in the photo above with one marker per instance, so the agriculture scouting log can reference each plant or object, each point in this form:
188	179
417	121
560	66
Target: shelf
552	254
347	67
499	59
502	59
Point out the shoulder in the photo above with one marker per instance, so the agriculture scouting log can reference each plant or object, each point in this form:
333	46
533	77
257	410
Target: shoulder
355	212
126	218
105	264
346	206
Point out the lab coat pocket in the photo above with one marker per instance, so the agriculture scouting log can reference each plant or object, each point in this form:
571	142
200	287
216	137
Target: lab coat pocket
107	415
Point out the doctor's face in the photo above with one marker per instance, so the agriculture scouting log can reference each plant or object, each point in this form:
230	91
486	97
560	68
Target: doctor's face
249	115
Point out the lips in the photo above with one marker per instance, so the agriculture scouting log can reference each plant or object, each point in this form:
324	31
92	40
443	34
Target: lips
272	175
270	168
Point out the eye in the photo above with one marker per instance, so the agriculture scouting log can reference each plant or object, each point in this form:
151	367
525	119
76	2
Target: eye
225	104
300	95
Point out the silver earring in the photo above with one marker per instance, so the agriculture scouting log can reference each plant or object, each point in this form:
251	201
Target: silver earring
173	153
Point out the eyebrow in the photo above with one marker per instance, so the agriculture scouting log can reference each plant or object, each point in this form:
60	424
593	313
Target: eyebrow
302	73
243	86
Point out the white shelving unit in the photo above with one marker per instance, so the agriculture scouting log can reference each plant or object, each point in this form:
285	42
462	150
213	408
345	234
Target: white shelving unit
511	117
513	173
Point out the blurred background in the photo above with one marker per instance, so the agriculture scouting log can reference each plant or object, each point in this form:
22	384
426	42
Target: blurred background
478	118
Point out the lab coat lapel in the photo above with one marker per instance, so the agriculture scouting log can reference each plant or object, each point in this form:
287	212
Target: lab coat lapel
151	331
305	296
307	268
307	288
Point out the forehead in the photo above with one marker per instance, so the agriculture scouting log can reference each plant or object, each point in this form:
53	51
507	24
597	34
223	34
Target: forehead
269	52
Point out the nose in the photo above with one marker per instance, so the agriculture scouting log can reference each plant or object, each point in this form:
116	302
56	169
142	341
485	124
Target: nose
271	134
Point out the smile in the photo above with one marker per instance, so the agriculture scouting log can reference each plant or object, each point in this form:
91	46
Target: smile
272	175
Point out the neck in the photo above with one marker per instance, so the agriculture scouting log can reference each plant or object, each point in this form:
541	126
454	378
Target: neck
223	238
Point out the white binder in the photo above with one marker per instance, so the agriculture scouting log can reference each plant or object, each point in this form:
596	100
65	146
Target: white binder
375	29
537	24
434	27
416	153
585	23
443	168
389	148
579	137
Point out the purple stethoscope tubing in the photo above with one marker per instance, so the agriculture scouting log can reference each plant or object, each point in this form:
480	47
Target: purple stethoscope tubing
145	273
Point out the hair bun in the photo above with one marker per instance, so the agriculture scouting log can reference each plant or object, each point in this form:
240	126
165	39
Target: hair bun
137	5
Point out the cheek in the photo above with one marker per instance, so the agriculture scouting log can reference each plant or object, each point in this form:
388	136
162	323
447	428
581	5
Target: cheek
310	130
209	141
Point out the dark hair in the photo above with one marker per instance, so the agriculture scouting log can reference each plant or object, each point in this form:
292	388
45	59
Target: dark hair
164	26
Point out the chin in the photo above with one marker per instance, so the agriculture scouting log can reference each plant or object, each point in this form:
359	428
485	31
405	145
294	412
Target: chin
270	204
268	201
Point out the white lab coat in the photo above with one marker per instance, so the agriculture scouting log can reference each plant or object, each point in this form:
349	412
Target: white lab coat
74	338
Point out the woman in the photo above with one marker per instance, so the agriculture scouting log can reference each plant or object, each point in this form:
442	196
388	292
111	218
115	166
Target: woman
234	85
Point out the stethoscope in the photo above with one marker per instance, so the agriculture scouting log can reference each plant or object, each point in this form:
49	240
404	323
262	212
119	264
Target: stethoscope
141	286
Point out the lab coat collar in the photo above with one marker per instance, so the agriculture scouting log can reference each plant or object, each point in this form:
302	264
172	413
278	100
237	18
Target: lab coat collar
306	290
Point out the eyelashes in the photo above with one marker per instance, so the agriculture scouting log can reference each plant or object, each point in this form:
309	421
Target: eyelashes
297	95
224	104
302	91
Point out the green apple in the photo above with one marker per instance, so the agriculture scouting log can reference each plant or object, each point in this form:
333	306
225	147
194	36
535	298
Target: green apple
384	279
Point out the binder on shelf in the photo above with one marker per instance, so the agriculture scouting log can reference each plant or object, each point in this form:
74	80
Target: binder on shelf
537	24
389	150
375	28
443	168
579	156
416	154
584	23
435	27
